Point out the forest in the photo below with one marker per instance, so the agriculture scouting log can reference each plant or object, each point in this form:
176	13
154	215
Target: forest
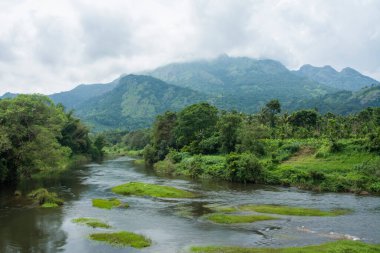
39	138
306	149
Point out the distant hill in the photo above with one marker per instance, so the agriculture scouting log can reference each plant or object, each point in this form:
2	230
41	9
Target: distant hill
247	81
8	95
347	79
135	102
240	83
342	102
74	98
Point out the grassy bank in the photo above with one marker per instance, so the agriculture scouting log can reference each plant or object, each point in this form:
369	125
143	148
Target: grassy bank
331	247
313	164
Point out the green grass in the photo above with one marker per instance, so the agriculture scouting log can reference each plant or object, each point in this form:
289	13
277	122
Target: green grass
108	203
139	162
49	205
122	239
152	190
288	210
232	219
330	247
91	222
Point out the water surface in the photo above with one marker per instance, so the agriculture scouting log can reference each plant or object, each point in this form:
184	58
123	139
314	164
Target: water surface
174	225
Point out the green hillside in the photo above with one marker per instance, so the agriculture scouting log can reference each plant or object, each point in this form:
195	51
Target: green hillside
74	98
342	102
347	79
247	81
135	102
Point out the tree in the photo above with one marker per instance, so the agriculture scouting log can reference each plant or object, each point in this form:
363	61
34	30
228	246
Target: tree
228	126
32	124
243	168
195	122
269	112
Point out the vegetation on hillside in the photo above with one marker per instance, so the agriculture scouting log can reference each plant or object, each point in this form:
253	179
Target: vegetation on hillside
306	149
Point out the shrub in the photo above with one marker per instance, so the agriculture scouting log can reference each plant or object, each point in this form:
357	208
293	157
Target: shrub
243	168
43	197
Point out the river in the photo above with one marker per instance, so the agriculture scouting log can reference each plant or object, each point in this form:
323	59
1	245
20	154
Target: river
174	225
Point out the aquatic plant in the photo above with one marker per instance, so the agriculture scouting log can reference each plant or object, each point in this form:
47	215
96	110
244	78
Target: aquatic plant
94	223
231	218
152	190
290	210
45	198
122	239
330	247
108	203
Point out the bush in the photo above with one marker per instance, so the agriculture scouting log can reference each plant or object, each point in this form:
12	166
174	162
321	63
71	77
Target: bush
166	167
43	196
243	168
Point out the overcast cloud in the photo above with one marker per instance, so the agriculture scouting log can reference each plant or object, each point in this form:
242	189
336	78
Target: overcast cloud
49	46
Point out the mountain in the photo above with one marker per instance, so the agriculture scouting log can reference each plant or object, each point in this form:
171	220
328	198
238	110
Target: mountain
343	102
8	95
74	98
249	82
347	79
135	102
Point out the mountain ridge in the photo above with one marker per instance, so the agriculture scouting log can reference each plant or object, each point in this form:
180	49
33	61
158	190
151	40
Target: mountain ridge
346	79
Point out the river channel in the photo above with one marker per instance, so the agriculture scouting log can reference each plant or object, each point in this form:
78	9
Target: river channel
174	225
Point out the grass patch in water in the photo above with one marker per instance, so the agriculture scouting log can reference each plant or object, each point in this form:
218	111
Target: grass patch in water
122	239
222	208
288	210
139	162
330	247
49	205
232	219
152	190
45	198
91	222
108	203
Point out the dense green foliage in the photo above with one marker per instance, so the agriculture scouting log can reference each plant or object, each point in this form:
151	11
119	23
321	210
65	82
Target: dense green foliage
305	149
37	136
330	247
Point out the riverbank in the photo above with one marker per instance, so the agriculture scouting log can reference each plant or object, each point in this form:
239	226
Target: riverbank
312	164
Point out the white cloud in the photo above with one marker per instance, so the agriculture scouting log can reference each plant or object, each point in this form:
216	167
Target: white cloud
48	46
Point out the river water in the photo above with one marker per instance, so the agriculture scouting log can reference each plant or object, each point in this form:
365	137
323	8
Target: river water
174	225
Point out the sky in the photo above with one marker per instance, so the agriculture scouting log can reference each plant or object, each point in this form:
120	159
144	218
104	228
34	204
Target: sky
50	46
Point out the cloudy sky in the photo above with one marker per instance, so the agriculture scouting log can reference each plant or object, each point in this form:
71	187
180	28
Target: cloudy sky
49	46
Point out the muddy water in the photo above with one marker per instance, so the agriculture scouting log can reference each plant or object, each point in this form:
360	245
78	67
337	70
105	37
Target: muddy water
174	225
